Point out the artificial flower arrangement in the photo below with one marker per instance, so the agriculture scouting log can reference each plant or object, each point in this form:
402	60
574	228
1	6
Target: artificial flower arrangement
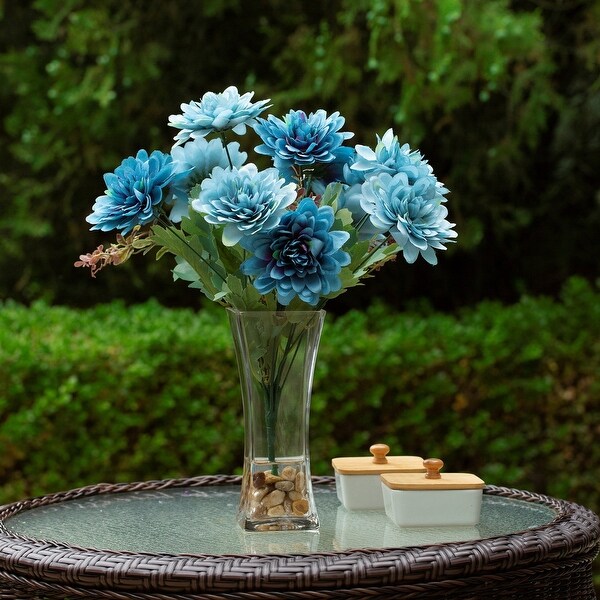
291	236
272	246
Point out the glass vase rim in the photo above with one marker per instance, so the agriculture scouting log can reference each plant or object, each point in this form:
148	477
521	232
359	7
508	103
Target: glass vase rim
276	312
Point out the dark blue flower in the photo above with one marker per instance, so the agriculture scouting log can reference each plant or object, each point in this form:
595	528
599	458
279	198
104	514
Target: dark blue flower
134	192
299	139
299	257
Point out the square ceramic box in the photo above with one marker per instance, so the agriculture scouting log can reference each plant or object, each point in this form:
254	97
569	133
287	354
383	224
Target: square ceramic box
431	499
358	481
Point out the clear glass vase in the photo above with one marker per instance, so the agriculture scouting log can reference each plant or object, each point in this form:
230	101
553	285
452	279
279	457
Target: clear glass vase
276	354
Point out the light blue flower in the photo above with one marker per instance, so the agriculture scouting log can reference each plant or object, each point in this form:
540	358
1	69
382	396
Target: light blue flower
216	112
299	139
351	198
134	192
300	257
392	158
195	161
244	200
413	214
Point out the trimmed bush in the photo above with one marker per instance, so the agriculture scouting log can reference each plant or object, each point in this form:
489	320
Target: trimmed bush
123	393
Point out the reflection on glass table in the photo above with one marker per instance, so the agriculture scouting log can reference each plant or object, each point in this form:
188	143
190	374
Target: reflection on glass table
202	521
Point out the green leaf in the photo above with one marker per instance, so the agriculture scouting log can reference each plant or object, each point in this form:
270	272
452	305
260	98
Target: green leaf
243	295
190	248
331	195
377	259
231	256
142	243
184	271
344	217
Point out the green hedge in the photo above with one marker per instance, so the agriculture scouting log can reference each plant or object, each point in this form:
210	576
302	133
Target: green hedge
127	393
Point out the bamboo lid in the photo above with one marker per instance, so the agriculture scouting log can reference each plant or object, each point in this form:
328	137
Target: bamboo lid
432	479
378	463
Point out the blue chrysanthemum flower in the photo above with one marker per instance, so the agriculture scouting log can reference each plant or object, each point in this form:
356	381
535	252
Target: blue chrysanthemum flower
392	158
245	200
351	198
134	192
300	257
195	161
216	112
412	213
299	139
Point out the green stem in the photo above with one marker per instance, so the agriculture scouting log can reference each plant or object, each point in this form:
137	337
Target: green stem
280	370
273	392
273	397
224	140
166	222
362	221
366	258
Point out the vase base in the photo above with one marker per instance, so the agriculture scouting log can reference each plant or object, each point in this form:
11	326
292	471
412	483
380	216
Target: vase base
277	496
281	524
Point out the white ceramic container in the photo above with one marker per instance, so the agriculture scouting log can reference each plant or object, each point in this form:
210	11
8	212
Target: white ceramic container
357	479
432	499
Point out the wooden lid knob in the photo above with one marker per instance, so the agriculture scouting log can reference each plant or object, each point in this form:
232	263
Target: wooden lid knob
433	466
379	451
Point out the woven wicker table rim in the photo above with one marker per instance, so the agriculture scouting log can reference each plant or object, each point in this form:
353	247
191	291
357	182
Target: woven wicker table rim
574	534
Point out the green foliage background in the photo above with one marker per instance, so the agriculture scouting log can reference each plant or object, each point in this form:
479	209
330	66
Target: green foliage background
146	392
502	97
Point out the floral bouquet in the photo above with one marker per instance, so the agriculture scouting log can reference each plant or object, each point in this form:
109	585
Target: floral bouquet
273	246
292	236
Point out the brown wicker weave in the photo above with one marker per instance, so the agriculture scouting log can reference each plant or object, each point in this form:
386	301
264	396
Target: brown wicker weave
552	562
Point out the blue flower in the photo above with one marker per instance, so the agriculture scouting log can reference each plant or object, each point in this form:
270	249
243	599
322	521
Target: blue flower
392	158
134	192
216	112
195	161
300	257
245	200
412	213
351	198
299	139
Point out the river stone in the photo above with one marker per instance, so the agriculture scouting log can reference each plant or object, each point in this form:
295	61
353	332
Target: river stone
259	494
270	478
300	507
300	482
258	479
287	505
276	511
273	499
285	485
288	473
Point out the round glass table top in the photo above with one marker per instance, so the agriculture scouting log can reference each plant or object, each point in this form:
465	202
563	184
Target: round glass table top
202	520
